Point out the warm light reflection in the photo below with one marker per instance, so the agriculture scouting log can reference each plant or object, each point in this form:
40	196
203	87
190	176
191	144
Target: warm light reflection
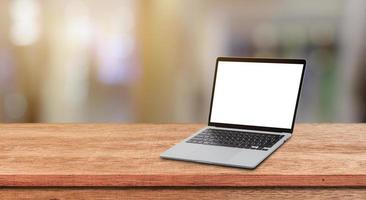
25	26
78	24
115	47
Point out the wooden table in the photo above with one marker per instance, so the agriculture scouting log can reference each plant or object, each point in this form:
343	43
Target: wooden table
116	161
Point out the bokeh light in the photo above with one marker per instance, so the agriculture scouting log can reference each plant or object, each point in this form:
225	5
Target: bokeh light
153	61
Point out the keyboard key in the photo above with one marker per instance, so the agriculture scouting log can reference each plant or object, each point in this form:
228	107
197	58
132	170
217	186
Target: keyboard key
238	139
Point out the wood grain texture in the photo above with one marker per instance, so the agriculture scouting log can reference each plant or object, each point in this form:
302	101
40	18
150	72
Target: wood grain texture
186	193
128	155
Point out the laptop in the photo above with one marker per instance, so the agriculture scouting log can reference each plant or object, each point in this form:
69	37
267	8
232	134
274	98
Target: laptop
252	113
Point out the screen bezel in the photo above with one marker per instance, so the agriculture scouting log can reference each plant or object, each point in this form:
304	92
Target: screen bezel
258	60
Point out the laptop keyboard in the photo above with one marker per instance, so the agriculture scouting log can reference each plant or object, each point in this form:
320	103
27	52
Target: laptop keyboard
238	139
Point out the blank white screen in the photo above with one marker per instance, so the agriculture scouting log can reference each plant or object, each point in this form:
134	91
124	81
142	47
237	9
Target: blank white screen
256	94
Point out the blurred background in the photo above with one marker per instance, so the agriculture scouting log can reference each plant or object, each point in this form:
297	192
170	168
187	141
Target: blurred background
153	61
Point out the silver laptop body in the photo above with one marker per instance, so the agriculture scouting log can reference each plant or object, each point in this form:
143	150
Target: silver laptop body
252	113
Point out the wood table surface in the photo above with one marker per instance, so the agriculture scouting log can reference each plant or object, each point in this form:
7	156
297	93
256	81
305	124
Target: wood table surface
127	155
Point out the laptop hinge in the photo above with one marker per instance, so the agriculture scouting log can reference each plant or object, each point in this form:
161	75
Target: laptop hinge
248	129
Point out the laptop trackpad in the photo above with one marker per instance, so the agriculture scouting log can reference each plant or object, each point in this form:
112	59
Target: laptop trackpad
215	153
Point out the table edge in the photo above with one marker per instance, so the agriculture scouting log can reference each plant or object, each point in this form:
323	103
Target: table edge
183	180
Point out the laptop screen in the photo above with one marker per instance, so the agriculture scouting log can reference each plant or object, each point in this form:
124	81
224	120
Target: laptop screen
256	93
